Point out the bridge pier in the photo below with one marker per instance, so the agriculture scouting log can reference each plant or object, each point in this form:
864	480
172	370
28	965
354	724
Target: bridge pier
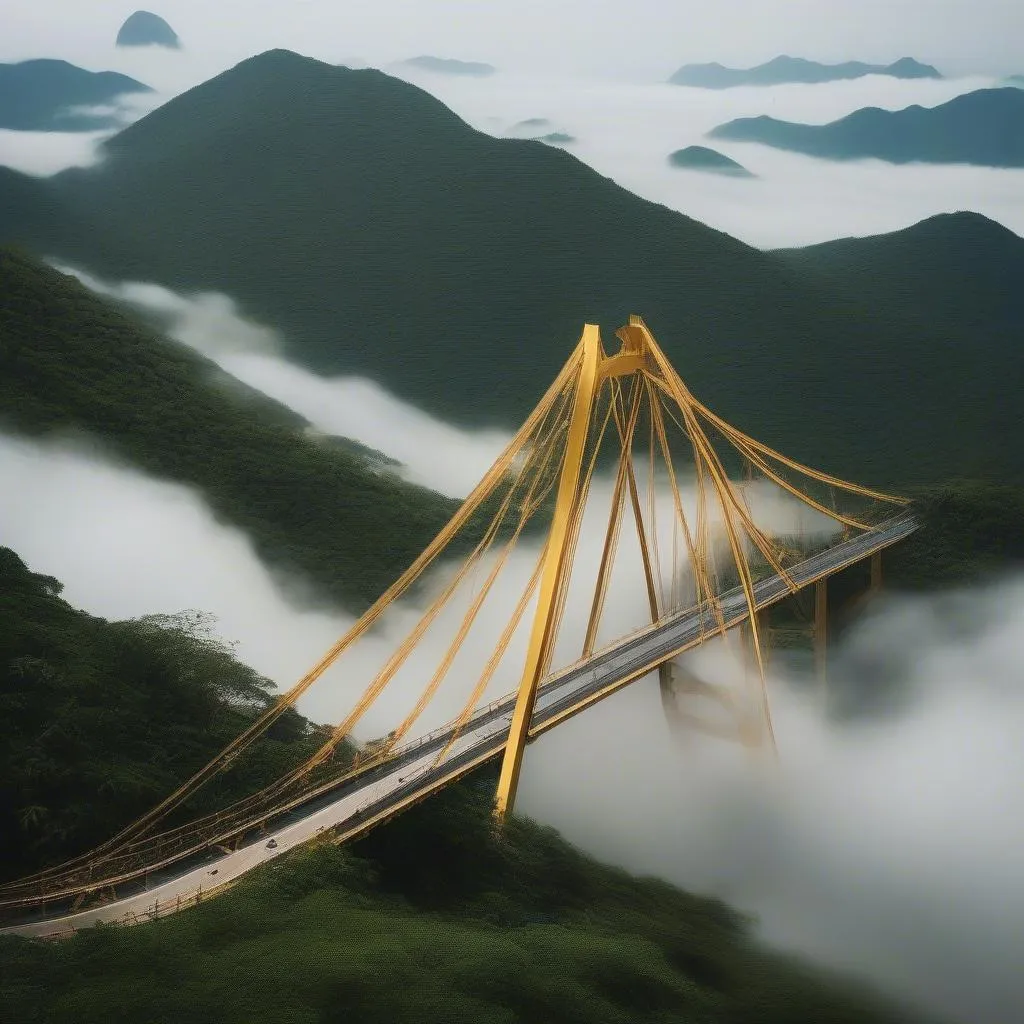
743	725
820	634
876	572
826	609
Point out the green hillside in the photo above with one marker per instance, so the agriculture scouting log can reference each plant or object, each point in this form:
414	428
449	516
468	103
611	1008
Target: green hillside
956	267
70	360
434	920
385	237
101	720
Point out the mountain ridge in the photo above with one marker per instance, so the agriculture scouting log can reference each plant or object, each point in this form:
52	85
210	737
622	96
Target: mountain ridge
384	237
786	70
35	95
984	128
964	266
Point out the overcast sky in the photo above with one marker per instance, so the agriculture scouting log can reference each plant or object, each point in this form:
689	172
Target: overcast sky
643	38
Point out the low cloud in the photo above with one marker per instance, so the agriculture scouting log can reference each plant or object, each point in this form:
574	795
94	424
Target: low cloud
626	130
887	844
45	153
351	407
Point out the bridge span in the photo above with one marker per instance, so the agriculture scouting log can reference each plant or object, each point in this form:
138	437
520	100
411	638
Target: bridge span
352	806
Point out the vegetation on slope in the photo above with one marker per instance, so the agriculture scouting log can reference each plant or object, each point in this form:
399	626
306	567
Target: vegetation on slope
433	919
383	236
101	720
960	267
70	360
971	529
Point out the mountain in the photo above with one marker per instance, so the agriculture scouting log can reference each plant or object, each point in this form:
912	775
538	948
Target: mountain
700	158
1017	81
35	96
313	510
961	268
784	70
384	237
445	66
145	29
985	128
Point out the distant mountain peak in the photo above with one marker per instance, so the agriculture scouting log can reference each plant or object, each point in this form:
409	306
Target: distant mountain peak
53	95
785	69
143	28
285	86
982	128
701	158
447	66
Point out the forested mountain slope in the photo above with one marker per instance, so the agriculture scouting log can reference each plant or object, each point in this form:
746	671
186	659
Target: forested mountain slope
385	237
69	360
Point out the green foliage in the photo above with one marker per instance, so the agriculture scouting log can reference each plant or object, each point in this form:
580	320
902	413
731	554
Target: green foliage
385	237
321	937
101	720
971	529
325	512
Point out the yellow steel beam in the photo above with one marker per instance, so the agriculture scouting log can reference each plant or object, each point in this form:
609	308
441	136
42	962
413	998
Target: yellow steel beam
614	521
565	523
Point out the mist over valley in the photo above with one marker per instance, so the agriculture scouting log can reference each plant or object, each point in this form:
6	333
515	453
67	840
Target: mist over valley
267	320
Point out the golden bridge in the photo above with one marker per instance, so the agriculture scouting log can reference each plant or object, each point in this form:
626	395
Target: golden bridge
693	487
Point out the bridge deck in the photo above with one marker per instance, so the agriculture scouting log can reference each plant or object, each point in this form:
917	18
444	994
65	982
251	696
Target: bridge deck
353	806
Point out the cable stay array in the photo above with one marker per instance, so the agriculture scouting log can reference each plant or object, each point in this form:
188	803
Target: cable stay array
621	501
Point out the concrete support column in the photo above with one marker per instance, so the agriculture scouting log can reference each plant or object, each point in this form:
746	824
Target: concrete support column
821	631
876	572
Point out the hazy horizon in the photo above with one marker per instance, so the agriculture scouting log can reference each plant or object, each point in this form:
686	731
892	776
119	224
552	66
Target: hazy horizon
626	131
646	41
